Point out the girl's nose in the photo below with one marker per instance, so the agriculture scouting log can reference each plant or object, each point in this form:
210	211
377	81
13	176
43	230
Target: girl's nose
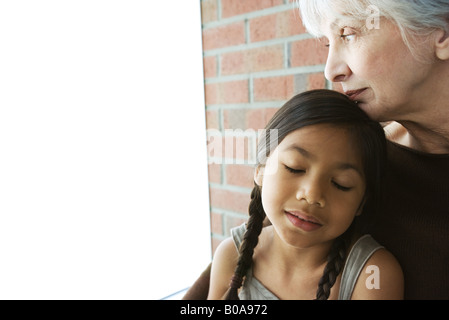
311	192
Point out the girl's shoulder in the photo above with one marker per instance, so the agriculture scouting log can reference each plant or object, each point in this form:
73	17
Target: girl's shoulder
381	277
223	266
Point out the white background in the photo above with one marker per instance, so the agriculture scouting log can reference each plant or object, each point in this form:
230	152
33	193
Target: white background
103	161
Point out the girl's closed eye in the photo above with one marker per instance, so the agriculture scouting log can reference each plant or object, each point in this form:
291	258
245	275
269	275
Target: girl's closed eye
341	187
294	171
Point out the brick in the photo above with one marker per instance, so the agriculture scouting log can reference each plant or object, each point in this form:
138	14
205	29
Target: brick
224	36
209	11
234	92
258	119
227	92
214	173
239	148
309	81
279	25
274	88
254	60
307	53
301	82
211	93
233	63
248	119
240	175
216	223
263	28
267	58
269	113
214	243
255	119
316	81
212	120
235	7
210	67
229	200
235	119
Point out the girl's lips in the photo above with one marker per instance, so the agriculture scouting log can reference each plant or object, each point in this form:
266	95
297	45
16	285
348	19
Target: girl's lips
302	221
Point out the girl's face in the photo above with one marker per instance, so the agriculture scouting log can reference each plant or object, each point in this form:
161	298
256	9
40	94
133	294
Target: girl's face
377	69
312	185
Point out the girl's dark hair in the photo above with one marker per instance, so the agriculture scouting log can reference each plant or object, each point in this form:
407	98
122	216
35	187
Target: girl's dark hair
306	109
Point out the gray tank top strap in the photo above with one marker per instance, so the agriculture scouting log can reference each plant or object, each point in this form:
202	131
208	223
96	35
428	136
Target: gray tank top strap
362	250
237	234
252	288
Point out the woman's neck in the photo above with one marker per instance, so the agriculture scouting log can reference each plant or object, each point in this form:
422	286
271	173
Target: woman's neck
419	137
427	127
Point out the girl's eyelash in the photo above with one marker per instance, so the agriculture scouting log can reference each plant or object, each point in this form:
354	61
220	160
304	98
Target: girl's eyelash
340	187
295	171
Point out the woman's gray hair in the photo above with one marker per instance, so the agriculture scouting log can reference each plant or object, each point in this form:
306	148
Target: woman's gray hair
414	18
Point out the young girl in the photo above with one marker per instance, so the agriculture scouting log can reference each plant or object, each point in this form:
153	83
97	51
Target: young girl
323	170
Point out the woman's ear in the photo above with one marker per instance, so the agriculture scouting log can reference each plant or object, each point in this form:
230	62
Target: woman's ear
442	45
258	175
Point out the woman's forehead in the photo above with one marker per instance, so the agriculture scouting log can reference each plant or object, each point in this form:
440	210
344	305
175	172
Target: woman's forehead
319	14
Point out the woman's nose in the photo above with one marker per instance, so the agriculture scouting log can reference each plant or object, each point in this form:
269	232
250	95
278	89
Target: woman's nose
337	70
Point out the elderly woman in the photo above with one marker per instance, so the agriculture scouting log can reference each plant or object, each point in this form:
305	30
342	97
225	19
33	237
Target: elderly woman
392	57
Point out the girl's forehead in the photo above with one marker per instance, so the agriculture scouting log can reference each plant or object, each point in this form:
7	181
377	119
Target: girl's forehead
318	133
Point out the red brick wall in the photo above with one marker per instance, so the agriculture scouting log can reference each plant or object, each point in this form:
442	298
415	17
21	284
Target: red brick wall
257	55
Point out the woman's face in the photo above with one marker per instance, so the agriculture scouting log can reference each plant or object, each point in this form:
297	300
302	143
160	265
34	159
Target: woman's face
312	185
376	68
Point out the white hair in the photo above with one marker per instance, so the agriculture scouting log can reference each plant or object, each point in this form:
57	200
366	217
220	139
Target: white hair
414	18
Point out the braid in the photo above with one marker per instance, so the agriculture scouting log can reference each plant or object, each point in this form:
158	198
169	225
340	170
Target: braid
250	240
335	264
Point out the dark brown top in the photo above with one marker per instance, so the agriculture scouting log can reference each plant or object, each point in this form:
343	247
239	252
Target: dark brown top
414	222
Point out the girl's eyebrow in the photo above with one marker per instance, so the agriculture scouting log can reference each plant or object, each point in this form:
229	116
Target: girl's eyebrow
302	151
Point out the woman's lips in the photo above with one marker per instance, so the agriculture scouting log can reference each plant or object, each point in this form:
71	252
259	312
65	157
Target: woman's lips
353	94
303	221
